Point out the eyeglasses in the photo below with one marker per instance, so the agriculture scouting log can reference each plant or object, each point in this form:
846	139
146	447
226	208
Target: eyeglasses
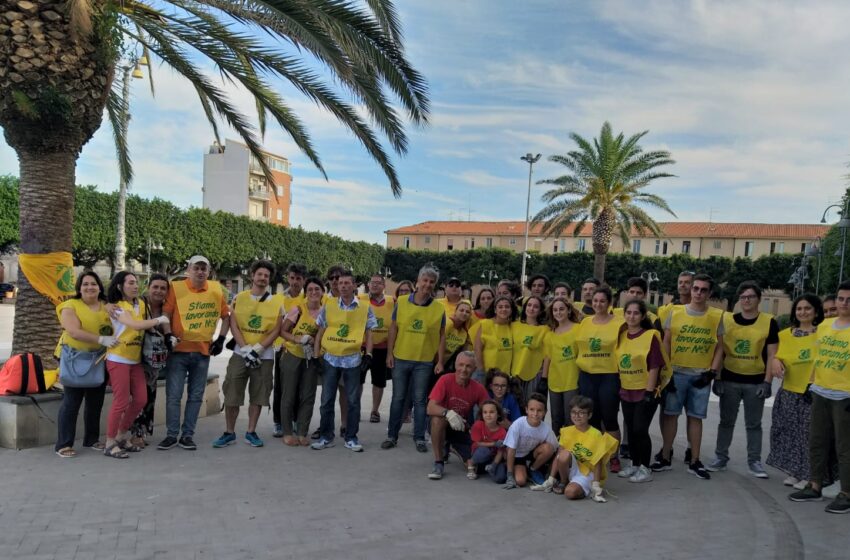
499	385
700	290
578	413
333	277
748	297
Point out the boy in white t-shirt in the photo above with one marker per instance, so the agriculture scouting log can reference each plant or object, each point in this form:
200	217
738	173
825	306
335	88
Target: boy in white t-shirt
530	444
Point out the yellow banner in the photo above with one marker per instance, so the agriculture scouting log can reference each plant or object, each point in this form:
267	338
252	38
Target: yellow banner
51	274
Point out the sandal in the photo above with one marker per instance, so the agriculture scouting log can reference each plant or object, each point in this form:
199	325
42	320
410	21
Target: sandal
97	446
67	453
116	452
558	488
290	441
125	445
375	417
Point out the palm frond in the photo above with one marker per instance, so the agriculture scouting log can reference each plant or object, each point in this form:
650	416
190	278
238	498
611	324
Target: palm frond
117	110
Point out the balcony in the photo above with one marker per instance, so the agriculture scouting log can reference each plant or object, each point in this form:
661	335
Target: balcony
259	192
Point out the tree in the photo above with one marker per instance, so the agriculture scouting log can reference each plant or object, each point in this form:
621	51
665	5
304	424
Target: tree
58	61
606	181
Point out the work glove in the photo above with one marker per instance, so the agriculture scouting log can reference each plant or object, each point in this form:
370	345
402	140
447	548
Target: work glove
305	339
764	390
596	493
717	388
252	357
542	386
365	363
455	420
704	379
547	485
107	341
648	397
510	482
162	319
217	346
171	341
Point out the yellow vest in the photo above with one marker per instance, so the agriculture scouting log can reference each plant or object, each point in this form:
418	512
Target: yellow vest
528	350
497	344
255	318
384	316
693	338
664	312
448	306
306	325
596	345
833	355
288	302
129	344
562	351
455	338
474	325
631	360
742	345
198	311
94	322
346	330
418	337
797	354
589	448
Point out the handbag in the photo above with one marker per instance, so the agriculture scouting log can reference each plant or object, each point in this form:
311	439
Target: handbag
154	350
81	369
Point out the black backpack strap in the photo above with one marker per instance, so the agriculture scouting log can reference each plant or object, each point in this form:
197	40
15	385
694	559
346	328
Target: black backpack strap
39	373
25	372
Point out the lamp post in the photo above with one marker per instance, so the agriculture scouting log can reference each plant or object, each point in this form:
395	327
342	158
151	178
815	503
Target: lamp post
843	224
489	275
650	277
813	250
531	160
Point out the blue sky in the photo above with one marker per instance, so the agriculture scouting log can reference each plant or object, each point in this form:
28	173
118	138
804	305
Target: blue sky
751	98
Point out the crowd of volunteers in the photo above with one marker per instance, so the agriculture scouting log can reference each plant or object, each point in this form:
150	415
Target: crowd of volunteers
476	378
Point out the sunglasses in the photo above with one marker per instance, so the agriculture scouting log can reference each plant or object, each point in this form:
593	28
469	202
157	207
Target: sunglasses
701	290
336	277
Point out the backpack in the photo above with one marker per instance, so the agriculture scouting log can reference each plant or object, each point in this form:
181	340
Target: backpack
22	374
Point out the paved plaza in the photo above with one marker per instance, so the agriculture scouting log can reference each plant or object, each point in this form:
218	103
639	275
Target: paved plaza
281	502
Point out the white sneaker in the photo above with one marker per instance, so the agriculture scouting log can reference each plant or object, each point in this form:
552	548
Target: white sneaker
627	472
756	469
790	481
354	445
801	484
643	474
596	493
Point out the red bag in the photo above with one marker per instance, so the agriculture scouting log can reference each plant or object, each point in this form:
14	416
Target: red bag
22	374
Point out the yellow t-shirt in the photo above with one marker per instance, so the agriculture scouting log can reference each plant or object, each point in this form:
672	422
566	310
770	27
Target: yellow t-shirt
497	345
562	351
94	322
306	324
456	338
596	345
589	448
129	347
528	350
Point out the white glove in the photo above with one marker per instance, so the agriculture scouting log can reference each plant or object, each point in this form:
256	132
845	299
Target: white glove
243	350
108	341
596	493
305	339
545	487
162	319
455	420
510	482
258	348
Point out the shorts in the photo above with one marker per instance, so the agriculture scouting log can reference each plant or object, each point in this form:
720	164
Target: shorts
528	460
693	399
460	442
239	375
576	477
378	369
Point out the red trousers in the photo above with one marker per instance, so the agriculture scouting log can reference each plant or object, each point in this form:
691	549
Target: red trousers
129	396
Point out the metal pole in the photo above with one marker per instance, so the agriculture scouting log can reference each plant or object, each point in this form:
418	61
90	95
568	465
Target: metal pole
531	161
817	279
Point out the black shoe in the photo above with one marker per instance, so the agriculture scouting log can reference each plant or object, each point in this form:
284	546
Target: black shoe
687	456
186	442
388	444
661	464
660	455
421	447
841	504
698	470
807	494
624	451
167	443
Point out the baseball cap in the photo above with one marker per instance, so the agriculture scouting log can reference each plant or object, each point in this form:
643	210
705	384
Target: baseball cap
198	259
453	281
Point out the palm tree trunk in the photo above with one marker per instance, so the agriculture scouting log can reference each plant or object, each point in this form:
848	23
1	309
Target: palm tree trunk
603	228
46	218
599	265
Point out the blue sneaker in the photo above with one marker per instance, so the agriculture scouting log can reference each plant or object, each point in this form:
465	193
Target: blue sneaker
252	439
536	476
225	439
322	444
354	445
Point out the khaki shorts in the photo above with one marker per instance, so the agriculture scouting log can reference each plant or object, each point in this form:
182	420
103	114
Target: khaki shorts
238	376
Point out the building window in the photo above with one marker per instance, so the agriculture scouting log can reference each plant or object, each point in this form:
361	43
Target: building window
450	244
582	244
279	215
804	247
718	244
406	242
636	246
278	164
472	243
427	240
488	242
686	247
279	191
748	248
664	248
512	241
657	246
555	247
563	243
777	247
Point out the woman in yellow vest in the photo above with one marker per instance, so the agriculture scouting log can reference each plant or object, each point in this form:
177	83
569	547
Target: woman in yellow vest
483	309
792	408
494	341
528	351
86	327
597	362
124	362
640	360
559	366
300	369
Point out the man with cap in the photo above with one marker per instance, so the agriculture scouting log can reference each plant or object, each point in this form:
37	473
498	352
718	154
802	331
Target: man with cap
194	307
454	293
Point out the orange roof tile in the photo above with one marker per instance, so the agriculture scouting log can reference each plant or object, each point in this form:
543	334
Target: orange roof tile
671	229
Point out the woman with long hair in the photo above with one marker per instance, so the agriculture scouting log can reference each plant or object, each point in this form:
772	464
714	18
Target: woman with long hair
494	341
559	366
528	352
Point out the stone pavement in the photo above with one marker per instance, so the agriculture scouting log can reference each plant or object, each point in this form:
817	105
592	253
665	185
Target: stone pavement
281	502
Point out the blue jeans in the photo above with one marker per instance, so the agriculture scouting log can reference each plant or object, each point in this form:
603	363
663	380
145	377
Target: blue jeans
183	367
405	374
330	382
482	457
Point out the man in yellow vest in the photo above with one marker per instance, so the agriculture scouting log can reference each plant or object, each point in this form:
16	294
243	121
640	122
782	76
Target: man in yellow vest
417	336
194	307
255	323
345	326
296	273
683	297
693	338
454	292
750	340
830	392
382	307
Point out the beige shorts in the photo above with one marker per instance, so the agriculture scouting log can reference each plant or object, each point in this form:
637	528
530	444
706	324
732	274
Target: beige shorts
238	377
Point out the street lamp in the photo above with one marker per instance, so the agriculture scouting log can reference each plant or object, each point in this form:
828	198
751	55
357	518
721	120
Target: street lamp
650	277
489	275
531	160
843	224
153	246
813	250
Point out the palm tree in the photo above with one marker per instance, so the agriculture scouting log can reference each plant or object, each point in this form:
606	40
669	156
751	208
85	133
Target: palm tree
606	180
58	63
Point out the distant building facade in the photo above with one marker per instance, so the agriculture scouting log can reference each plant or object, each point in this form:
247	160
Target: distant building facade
234	182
